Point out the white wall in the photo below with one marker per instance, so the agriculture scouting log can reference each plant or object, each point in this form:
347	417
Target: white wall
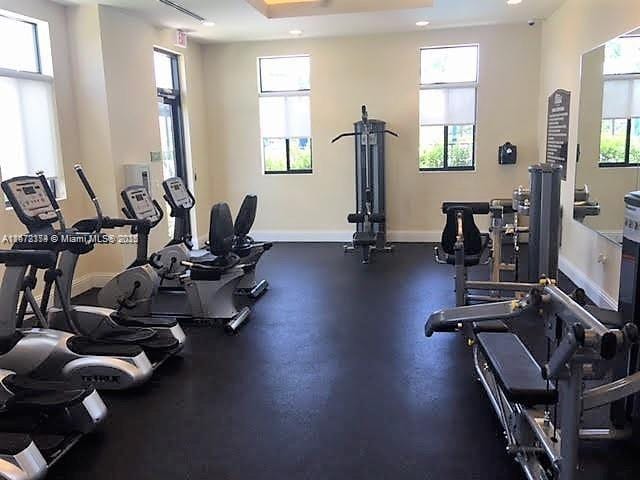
382	72
575	28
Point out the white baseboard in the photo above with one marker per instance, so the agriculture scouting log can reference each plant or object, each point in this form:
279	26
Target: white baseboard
302	235
399	236
89	281
582	280
407	236
415	236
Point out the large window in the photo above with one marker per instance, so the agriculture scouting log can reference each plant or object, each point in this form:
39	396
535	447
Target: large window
620	135
449	81
172	138
285	114
28	121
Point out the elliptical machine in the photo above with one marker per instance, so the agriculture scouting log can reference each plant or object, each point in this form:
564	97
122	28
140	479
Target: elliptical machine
36	206
45	353
46	404
180	248
370	218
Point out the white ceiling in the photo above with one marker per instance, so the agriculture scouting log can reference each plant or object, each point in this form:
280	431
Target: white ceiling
238	20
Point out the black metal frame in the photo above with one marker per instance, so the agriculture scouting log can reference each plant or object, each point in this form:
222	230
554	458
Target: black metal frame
627	148
447	167
173	98
288	149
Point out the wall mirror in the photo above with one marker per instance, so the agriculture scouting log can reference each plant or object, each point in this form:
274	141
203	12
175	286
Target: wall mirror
608	164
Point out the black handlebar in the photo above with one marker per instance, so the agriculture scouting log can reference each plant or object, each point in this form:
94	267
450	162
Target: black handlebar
48	191
85	182
365	120
92	196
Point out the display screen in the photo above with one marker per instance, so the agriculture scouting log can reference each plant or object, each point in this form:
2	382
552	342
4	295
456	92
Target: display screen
29	190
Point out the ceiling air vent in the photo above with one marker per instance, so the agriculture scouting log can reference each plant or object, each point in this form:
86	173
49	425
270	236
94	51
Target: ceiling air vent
183	10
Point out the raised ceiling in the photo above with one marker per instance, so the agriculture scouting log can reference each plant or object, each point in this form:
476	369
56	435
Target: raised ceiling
308	8
246	20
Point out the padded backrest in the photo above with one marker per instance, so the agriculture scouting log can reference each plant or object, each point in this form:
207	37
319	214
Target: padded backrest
472	237
221	230
246	216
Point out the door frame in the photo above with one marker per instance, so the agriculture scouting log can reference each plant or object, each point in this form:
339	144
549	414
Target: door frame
173	98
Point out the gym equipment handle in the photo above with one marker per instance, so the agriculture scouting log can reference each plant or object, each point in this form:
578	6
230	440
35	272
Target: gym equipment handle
92	195
85	181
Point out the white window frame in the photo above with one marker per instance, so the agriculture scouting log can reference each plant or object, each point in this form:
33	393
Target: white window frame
447	86
287	94
44	75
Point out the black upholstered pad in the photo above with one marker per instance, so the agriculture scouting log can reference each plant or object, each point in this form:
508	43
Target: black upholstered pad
516	370
610	318
472	238
221	230
469	260
246	216
495	326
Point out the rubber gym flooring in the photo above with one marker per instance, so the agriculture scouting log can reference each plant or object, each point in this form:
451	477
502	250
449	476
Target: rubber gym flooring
331	379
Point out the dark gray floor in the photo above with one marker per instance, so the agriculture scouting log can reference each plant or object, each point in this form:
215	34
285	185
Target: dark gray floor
332	379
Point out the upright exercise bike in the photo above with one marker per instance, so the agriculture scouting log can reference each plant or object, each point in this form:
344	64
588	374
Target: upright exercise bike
370	218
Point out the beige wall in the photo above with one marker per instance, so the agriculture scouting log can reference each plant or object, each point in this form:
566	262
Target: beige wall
575	28
121	110
75	207
382	72
107	110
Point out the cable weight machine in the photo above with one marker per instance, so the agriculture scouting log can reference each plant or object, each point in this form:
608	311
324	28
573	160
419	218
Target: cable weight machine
370	217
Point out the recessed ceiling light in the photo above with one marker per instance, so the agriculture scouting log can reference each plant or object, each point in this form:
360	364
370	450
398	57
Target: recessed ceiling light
513	2
422	23
295	33
207	23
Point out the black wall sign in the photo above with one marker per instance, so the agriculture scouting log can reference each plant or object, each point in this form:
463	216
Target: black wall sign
558	129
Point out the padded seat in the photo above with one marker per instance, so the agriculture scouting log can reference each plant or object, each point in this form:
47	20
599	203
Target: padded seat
515	369
494	326
361	239
469	260
475	243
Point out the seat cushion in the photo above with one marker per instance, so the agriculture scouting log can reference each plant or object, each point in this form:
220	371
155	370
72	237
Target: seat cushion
515	369
469	260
